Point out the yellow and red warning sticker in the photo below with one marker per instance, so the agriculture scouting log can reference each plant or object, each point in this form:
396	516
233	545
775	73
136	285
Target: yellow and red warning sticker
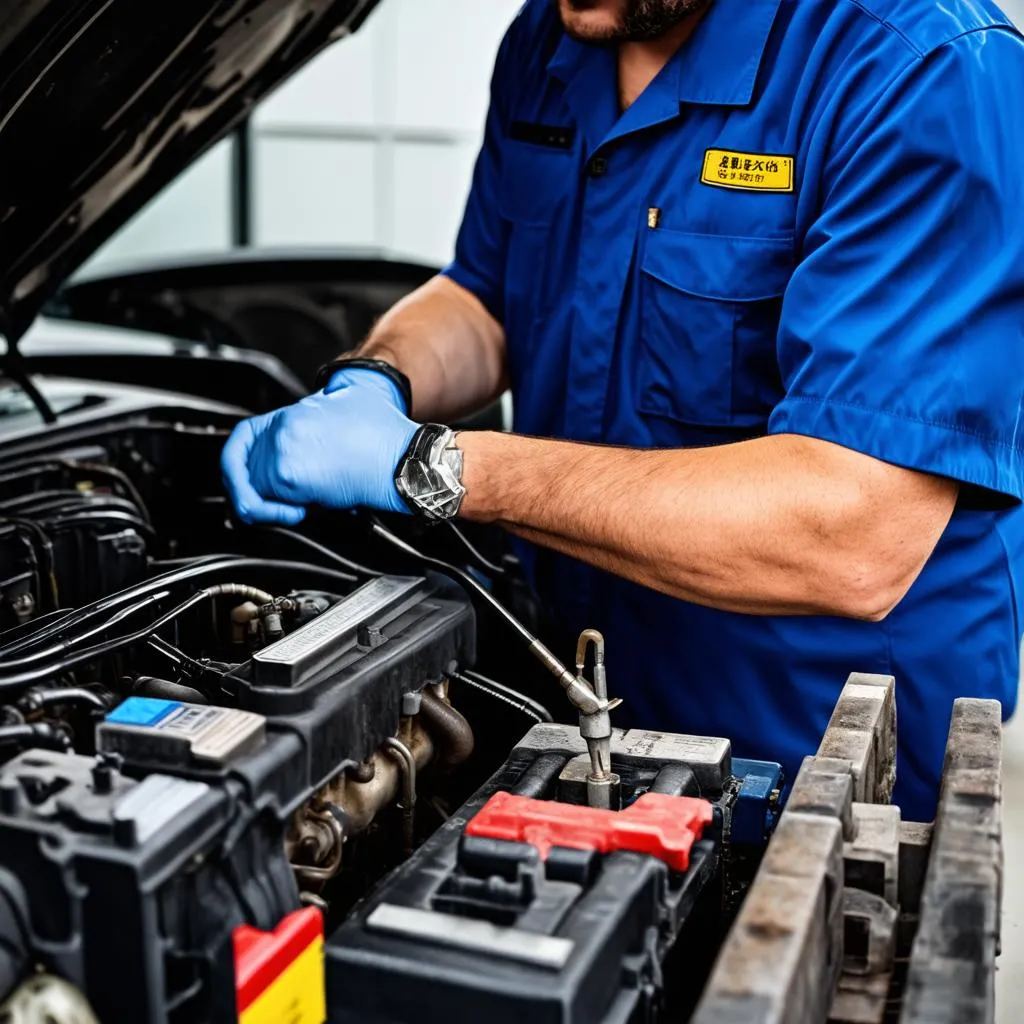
279	975
749	172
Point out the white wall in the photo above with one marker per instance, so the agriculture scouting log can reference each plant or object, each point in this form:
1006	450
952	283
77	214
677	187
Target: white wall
191	215
370	145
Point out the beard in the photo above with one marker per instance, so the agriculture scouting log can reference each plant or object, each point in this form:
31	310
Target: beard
640	21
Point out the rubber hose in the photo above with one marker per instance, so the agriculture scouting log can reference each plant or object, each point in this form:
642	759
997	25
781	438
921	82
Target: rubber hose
152	686
36	699
676	780
537	780
38	734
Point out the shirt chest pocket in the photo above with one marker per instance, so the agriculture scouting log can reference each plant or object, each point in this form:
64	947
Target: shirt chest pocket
709	315
535	188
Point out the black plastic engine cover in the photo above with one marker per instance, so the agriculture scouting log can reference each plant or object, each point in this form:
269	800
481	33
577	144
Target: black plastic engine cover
131	889
331	691
337	682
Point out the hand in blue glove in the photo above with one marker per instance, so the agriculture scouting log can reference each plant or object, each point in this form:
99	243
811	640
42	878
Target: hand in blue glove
337	448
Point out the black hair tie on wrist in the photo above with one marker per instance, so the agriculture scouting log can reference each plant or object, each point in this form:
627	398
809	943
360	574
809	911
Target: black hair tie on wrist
399	379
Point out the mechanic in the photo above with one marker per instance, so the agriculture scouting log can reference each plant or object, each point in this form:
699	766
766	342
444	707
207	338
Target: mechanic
754	271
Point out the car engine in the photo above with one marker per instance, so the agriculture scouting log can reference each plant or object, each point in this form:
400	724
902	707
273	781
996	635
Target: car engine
209	739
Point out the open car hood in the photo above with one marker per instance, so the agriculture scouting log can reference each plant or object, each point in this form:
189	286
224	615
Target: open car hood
104	102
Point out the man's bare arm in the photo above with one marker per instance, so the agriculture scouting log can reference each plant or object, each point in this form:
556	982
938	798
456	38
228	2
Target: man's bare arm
778	525
451	349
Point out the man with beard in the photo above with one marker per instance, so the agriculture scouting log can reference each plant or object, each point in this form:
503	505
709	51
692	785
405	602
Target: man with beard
754	271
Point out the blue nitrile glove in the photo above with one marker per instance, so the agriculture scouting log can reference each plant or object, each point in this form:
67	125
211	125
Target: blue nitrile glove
337	448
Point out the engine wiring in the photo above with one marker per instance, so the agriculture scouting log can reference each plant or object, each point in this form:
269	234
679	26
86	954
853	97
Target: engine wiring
580	694
186	663
325	552
498	691
45	547
454	572
50	653
18	680
192	572
483	563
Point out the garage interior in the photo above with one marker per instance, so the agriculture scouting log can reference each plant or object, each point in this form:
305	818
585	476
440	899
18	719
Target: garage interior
367	154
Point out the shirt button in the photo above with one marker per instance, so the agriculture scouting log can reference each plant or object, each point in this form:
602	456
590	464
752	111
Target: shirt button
598	166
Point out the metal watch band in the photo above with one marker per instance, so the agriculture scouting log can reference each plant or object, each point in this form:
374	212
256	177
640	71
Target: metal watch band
328	370
429	475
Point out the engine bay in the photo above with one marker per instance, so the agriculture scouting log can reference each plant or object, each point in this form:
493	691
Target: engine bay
263	774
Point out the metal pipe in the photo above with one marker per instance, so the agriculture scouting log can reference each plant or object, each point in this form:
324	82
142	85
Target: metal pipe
452	731
409	790
596	728
331	838
362	801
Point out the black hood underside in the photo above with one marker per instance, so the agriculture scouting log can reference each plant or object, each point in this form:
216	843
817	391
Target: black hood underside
104	102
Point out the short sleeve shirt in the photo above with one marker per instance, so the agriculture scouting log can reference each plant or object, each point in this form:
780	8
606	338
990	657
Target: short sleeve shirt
811	222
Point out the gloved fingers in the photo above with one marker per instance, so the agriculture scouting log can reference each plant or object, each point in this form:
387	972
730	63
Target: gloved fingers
274	512
234	462
276	468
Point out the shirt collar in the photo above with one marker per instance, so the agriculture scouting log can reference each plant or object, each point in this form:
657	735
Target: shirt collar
717	66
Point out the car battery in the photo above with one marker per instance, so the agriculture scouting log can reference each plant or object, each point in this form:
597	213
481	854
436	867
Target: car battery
529	905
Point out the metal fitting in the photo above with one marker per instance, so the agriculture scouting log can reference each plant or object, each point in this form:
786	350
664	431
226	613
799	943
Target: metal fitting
596	727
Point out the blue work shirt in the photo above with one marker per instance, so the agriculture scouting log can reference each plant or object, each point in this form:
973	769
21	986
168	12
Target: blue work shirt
811	222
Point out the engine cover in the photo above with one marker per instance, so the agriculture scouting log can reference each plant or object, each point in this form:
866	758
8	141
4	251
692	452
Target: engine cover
331	692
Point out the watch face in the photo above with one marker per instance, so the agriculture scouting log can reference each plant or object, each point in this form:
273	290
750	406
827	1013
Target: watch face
430	476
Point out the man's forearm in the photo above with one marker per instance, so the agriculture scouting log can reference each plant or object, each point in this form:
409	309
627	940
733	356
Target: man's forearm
780	525
451	349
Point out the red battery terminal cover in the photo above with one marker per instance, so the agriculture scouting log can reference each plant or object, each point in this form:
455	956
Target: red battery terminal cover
662	826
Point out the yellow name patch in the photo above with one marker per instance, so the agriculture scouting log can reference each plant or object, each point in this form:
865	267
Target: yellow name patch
748	172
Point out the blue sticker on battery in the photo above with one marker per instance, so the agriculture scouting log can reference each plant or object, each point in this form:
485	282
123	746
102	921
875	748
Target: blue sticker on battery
144	711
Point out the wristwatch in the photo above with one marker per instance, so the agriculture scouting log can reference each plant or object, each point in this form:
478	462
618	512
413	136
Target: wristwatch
429	474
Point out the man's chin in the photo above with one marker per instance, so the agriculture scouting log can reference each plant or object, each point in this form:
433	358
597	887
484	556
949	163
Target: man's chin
635	21
590	21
